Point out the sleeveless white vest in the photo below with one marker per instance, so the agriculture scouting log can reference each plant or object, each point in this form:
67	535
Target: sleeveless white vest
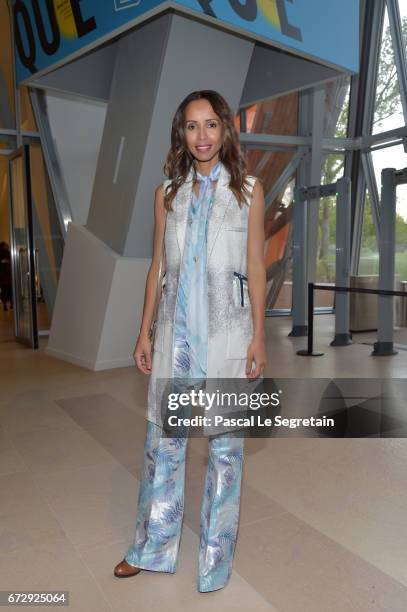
230	325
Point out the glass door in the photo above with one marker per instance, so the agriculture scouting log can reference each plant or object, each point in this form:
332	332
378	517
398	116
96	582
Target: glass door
22	248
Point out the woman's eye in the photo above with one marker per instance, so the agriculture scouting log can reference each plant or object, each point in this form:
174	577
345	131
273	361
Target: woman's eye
191	126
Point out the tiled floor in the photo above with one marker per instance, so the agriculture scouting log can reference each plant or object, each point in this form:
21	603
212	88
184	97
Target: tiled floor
323	524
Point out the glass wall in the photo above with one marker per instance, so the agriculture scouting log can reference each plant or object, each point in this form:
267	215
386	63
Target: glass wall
388	112
395	157
27	119
388	115
337	108
8	142
275	116
48	238
403	14
369	250
278	251
332	170
7	96
336	111
20	247
4	220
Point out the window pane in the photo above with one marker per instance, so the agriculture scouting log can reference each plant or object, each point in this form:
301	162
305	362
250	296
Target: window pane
388	113
48	239
332	170
278	251
391	157
336	108
326	254
250	112
268	166
28	123
394	157
401	232
7	141
7	102
403	15
275	116
369	252
4	217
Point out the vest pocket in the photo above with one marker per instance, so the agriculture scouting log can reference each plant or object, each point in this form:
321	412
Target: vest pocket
240	290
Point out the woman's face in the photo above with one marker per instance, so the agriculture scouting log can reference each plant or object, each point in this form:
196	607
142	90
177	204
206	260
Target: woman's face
203	130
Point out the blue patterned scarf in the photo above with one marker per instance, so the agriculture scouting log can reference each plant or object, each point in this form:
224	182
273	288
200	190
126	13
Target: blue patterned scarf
192	316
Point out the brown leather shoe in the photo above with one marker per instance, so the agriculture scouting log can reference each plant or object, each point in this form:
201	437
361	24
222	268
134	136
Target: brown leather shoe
125	570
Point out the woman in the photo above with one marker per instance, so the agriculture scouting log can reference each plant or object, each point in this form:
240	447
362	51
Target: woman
210	323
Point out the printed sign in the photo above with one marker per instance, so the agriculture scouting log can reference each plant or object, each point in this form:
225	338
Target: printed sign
48	31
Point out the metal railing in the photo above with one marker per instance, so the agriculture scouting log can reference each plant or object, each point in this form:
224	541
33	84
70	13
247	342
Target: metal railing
309	351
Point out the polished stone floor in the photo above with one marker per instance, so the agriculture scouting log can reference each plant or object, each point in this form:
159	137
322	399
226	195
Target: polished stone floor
323	524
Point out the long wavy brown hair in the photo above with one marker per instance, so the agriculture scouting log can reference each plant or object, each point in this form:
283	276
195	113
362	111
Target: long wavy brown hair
180	160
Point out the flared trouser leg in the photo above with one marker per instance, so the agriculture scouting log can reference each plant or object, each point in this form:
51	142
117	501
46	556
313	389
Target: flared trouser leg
160	503
161	507
220	512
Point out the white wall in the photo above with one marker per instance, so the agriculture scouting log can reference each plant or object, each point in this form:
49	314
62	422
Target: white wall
76	126
99	304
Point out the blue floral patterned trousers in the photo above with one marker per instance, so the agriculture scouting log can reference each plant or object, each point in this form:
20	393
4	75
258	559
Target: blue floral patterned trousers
161	507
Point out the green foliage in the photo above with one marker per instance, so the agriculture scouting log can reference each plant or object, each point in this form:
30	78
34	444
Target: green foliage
387	103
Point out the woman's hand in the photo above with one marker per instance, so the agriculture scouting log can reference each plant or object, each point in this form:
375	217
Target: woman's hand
257	353
142	353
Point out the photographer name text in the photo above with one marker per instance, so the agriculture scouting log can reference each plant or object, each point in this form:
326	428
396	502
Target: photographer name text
254	420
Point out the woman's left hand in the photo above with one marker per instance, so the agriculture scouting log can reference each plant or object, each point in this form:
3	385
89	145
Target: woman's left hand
257	353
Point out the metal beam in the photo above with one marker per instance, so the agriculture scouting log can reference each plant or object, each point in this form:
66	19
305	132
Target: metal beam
317	126
387	249
342	264
371	183
371	140
299	290
248	138
361	114
285	176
